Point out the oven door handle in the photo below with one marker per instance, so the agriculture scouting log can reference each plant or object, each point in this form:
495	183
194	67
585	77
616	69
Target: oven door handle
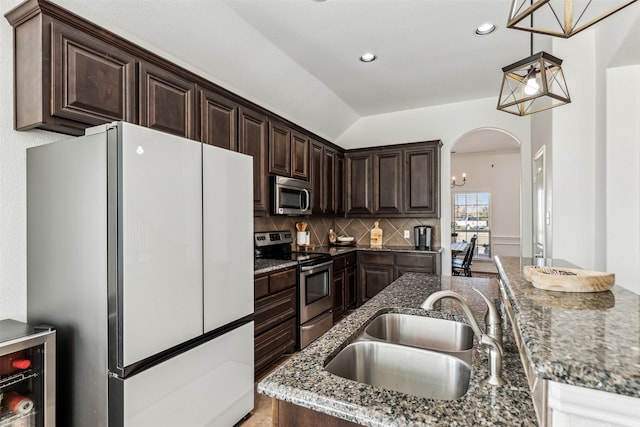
314	267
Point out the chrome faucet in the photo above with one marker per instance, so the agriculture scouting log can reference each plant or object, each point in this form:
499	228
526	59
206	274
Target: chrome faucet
492	338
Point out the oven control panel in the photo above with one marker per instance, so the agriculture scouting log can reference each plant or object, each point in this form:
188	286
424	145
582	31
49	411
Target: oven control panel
270	238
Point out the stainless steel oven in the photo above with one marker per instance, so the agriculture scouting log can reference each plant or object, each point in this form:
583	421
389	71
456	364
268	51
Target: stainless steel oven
315	301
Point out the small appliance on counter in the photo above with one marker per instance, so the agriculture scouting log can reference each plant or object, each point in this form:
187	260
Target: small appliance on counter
315	273
422	237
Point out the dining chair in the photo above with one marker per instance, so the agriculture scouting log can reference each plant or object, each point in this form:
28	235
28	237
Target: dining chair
463	266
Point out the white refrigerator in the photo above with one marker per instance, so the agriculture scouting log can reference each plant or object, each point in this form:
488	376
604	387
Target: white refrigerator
140	254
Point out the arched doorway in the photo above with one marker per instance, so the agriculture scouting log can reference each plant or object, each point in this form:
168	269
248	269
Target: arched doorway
486	202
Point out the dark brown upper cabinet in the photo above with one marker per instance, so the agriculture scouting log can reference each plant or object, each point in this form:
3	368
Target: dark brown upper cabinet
316	172
167	101
218	124
326	177
339	184
252	140
387	182
65	79
422	180
394	180
279	148
329	180
299	155
359	183
288	151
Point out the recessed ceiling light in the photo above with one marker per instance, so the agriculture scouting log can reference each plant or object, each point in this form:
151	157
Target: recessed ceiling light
368	57
485	29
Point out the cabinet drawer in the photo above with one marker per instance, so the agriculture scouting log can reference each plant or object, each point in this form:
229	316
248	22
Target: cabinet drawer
415	260
282	280
269	346
274	309
377	258
351	259
261	286
343	261
339	262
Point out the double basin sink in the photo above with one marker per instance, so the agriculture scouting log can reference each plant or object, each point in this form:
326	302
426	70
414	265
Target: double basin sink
423	356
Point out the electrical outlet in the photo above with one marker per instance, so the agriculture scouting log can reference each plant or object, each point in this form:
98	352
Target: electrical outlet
406	234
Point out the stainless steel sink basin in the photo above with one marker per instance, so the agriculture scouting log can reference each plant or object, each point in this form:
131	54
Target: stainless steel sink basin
405	369
454	338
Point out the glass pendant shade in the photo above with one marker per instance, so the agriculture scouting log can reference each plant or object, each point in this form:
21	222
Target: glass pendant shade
561	18
533	84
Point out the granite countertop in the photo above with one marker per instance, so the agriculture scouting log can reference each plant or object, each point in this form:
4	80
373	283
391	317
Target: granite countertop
303	381
264	266
589	340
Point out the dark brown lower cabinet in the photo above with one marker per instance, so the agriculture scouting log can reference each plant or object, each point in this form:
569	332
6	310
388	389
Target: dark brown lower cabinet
344	283
375	273
275	317
288	414
378	269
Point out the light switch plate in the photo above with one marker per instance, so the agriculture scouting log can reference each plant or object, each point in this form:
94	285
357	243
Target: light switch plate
406	234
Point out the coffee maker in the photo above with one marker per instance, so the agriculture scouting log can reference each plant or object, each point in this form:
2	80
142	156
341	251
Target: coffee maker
422	237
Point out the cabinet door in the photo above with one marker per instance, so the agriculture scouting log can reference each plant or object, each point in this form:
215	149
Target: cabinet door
421	184
375	274
93	82
338	198
167	101
338	294
373	279
329	184
218	120
316	170
279	149
252	140
299	156
350	285
359	182
387	182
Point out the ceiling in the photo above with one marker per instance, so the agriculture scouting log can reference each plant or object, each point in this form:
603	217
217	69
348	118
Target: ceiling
299	58
428	52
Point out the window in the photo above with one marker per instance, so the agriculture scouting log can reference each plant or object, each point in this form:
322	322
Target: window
471	215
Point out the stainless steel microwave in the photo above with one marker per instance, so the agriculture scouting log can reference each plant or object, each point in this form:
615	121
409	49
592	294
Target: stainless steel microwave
290	196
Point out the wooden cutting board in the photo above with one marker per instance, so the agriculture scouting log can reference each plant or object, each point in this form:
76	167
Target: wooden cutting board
568	279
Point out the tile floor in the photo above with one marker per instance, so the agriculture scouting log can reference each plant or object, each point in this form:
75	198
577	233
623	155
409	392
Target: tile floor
261	414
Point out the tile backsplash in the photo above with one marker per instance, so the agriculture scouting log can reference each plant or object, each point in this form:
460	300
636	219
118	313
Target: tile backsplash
392	228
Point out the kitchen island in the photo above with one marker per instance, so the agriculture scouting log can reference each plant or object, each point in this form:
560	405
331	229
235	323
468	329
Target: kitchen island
581	351
302	383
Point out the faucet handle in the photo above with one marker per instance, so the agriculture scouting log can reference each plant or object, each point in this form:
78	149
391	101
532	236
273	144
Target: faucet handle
493	317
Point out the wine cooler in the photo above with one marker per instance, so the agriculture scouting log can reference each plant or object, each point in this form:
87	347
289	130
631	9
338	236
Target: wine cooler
27	375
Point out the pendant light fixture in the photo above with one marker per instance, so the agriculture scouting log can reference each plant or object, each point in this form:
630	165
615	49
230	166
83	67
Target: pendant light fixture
533	84
561	18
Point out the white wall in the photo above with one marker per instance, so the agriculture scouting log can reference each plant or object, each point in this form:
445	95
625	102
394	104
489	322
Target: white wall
13	247
623	176
573	151
499	174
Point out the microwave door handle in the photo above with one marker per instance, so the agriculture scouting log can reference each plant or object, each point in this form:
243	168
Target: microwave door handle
307	200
